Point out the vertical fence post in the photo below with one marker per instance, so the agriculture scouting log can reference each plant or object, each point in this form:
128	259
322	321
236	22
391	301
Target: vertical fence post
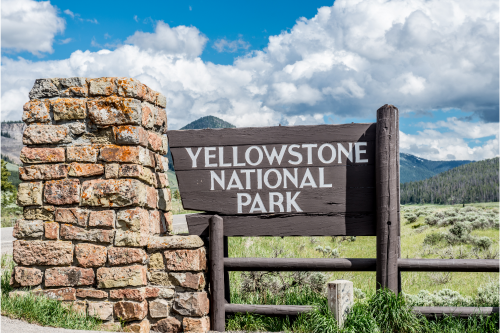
216	252
387	193
227	286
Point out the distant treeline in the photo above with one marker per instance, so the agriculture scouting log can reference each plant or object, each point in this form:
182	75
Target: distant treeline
12	122
474	182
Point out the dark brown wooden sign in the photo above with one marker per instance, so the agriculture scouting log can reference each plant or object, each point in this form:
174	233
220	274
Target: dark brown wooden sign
302	180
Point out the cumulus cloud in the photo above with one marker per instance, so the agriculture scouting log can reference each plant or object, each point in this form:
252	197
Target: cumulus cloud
346	61
231	46
29	25
180	40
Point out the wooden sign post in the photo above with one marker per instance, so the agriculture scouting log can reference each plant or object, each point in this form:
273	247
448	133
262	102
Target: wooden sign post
325	180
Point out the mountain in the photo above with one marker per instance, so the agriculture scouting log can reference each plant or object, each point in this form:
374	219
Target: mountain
413	168
208	122
473	182
12	140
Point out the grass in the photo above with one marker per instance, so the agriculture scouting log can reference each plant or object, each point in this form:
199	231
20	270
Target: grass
39	309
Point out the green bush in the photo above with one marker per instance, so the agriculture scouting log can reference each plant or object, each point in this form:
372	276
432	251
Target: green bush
483	243
411	218
445	297
434	238
488	295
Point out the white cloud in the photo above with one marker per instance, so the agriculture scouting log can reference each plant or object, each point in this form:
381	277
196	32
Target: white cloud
29	25
225	45
69	12
183	40
346	61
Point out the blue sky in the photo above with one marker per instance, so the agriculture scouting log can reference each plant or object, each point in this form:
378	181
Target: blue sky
281	62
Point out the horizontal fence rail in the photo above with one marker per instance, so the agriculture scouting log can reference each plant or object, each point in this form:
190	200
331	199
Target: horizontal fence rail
440	311
359	265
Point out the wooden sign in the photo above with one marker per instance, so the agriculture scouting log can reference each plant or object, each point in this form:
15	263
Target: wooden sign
301	180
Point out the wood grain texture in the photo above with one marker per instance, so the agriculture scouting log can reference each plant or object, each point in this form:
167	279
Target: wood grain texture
387	196
464	312
216	260
449	265
300	264
274	135
269	310
362	224
227	284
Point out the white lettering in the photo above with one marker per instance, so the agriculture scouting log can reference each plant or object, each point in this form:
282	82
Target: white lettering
309	147
208	156
345	152
221	158
258	201
266	178
291	202
247	173
220	180
236	180
274	154
357	147
241	203
259	179
320	153
247	155
278	203
322	178
294	179
193	156
308	176
296	154
235	158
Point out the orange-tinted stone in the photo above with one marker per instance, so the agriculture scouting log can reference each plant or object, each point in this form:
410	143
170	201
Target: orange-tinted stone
161	121
128	87
196	325
104	86
161	180
102	218
61	294
51	230
62	192
186	260
126	256
91	293
69	276
126	154
130	135
42	155
85	169
76	216
82	154
70	232
129	294
45	253
36	112
188	280
115	111
69	108
170	325
130	310
151	197
45	134
167	223
27	277
90	255
43	172
138	327
148	115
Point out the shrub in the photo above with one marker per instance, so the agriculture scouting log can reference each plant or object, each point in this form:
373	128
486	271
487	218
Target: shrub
461	230
483	243
481	223
359	294
445	297
434	238
488	294
411	218
432	219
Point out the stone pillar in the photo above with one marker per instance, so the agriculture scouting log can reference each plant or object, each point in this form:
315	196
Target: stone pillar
340	299
96	231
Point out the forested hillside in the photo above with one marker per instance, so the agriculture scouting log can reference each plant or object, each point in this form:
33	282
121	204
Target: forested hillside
474	182
208	122
413	168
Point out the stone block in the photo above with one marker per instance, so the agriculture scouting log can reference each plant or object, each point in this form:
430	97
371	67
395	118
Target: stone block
196	325
46	134
155	223
36	112
161	100
27	277
156	261
138	327
69	277
128	294
149	112
43	88
30	194
28	229
129	311
102	218
159	278
161	180
62	192
156	143
169	325
111	326
167	223
161	163
76	216
113	193
77	128
69	232
130	238
51	230
101	310
126	154
80	307
112	170
82	154
45	213
104	86
126	256
90	255
136	171
340	295
164	199
174	242
43	172
61	294
42	155
115	277
191	304
72	86
91	293
136	219
85	169
45	253
18	293
69	108
188	280
161	121
128	87
186	260
115	111
151	197
161	292
130	135
159	308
